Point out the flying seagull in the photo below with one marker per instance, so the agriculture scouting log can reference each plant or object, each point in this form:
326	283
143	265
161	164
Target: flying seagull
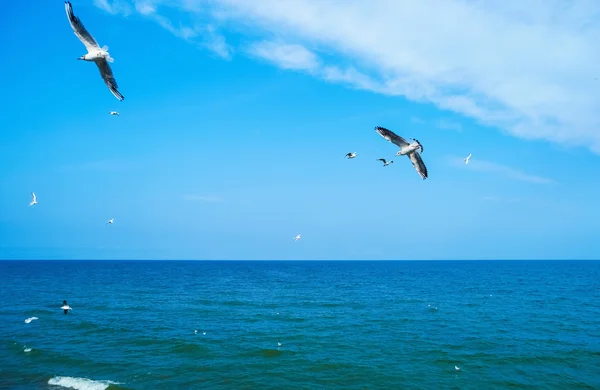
114	113
385	162
410	149
33	199
350	155
112	220
467	159
95	53
297	237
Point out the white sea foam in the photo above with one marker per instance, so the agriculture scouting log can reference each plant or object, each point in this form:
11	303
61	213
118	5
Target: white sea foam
80	383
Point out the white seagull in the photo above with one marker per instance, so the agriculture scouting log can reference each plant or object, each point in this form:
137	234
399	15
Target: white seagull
297	237
114	113
95	53
27	321
385	162
467	159
410	149
33	199
112	220
457	368
350	155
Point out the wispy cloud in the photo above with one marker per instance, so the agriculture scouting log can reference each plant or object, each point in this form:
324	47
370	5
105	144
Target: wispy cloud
202	198
442	123
503	170
115	7
286	56
527	68
204	36
448	124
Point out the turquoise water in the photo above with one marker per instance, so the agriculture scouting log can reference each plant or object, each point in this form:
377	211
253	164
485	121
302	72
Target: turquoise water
352	325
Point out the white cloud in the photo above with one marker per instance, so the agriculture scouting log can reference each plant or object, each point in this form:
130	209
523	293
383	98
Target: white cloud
286	56
202	198
527	68
448	124
503	170
114	7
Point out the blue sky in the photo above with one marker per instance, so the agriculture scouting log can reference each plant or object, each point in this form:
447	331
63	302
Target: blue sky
237	116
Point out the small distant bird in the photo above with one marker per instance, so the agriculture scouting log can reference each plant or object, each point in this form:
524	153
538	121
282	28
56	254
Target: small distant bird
66	307
27	350
33	199
467	159
196	331
278	344
410	149
95	54
114	113
385	162
350	155
456	368
112	220
27	321
297	237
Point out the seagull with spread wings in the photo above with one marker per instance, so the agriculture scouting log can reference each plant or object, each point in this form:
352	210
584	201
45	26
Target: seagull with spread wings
95	53
468	158
33	199
406	148
350	155
385	162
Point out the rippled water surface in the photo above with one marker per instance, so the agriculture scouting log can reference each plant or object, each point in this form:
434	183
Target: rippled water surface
352	325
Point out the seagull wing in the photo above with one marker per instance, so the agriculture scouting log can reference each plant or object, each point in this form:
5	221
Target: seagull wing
381	159
84	36
418	163
108	77
391	136
33	197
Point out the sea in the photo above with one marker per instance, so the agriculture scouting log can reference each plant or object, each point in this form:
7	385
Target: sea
300	325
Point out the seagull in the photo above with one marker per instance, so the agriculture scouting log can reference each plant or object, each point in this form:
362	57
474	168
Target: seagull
467	159
33	199
112	220
27	321
297	237
385	162
95	53
350	155
114	113
66	307
278	344
456	368
410	149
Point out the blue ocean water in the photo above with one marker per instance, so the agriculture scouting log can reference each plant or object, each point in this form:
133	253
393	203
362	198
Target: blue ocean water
351	325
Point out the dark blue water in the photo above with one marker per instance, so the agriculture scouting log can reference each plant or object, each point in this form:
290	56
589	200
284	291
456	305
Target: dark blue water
351	325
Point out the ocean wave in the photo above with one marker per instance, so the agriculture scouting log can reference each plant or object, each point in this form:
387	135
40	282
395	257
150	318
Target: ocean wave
80	383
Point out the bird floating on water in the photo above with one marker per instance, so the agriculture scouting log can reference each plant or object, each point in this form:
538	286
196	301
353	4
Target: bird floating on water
297	237
96	54
406	148
467	159
112	220
114	113
33	199
385	162
350	155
